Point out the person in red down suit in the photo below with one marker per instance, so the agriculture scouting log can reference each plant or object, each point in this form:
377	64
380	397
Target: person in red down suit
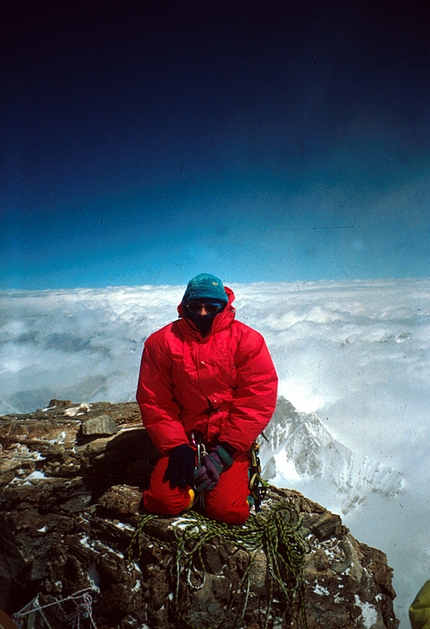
205	378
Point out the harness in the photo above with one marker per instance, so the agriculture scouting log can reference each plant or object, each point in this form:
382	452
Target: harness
257	485
196	440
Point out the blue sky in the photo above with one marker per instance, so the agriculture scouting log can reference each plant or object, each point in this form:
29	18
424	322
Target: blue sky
144	142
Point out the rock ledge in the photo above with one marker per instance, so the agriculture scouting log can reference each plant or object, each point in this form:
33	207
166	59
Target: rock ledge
70	494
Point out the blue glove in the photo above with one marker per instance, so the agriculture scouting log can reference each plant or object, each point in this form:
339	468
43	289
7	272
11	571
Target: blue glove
180	468
213	464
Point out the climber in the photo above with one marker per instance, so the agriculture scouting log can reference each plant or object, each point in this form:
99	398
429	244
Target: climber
419	611
206	380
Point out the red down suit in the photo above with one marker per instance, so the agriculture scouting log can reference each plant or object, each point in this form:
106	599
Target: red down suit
222	386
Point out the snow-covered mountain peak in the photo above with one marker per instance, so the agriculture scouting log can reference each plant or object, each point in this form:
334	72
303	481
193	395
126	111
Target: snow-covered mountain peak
301	453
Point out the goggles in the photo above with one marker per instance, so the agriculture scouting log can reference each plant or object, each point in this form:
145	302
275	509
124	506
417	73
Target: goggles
196	306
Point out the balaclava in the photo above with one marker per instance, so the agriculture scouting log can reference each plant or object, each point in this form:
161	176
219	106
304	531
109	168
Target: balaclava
206	288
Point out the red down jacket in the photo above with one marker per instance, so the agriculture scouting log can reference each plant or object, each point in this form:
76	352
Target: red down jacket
223	386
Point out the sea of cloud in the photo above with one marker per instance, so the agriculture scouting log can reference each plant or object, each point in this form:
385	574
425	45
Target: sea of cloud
355	352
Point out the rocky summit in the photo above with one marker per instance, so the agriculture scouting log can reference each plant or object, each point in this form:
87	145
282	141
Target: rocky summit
76	549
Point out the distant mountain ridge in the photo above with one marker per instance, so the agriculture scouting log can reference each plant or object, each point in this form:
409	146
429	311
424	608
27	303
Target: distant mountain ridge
301	452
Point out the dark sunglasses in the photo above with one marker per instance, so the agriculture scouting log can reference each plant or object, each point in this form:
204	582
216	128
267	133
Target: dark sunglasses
196	306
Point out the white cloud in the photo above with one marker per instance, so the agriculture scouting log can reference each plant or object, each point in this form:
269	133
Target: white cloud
356	352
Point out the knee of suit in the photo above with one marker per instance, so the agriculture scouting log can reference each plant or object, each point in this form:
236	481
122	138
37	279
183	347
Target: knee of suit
167	502
228	513
161	498
228	502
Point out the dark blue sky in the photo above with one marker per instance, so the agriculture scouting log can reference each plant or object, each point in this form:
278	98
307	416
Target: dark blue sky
146	141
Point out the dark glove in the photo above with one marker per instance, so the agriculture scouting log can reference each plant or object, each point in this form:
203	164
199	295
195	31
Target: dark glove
213	464
180	468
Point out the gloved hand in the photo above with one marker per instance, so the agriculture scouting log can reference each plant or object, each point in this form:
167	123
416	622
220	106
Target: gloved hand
213	464
180	468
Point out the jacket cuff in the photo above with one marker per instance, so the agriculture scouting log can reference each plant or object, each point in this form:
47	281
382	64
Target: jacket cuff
228	448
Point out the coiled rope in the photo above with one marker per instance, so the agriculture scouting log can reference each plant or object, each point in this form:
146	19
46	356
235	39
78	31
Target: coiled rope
274	531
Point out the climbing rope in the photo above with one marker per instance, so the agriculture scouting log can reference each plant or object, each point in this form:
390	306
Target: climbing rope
83	609
274	532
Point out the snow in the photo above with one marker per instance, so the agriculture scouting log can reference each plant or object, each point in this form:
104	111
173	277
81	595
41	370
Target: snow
82	409
369	615
21	451
34	476
123	526
286	468
97	546
94	577
84	541
338	598
137	586
321	590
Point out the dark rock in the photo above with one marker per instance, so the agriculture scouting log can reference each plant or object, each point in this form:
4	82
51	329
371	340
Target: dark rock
70	503
59	404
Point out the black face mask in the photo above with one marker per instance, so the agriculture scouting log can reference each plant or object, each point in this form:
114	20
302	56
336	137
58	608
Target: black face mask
202	323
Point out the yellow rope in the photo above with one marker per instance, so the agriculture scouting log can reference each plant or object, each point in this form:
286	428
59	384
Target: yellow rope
274	531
